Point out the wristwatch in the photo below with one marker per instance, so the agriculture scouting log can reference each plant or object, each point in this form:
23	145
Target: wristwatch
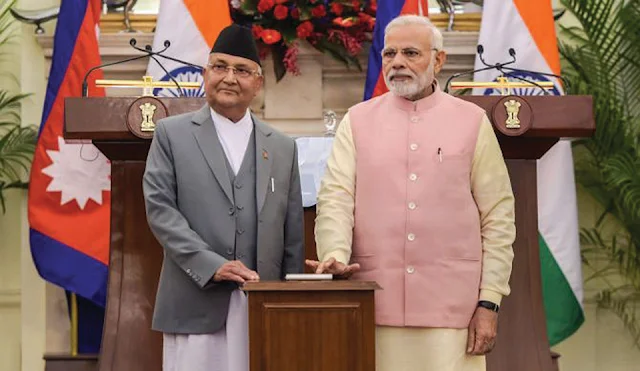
489	305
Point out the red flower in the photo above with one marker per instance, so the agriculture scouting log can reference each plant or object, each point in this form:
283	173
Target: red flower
290	60
281	1
373	6
368	20
371	24
265	5
304	30
319	11
337	8
280	12
355	4
257	31
344	22
352	44
271	36
295	13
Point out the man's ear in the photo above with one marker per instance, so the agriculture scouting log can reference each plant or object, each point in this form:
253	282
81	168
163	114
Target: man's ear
259	84
441	58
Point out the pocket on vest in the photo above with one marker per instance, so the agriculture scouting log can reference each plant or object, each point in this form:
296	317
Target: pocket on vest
452	170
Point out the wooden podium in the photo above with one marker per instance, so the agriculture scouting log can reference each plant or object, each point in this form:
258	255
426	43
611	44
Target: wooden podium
311	326
135	259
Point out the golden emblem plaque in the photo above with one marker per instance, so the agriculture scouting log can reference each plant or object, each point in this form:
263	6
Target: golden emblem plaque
513	108
148	110
143	114
512	115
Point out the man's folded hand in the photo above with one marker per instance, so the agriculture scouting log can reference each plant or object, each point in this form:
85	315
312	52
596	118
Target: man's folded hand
235	271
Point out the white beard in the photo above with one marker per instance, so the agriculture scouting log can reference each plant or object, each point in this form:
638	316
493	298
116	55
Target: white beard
413	88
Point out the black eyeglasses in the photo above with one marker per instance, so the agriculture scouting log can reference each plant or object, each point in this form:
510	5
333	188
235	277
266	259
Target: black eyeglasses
223	69
411	54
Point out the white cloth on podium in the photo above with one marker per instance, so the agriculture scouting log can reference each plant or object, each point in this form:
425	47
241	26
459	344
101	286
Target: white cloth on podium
225	350
313	153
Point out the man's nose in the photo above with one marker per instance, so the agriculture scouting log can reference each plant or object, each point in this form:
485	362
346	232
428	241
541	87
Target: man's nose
398	66
398	62
230	76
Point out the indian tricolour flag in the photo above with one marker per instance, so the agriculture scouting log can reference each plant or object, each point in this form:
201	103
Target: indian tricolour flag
191	26
528	27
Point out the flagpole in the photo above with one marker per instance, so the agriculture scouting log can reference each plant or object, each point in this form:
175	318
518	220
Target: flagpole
74	325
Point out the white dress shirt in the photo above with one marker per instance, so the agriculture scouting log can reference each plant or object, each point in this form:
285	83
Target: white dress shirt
233	136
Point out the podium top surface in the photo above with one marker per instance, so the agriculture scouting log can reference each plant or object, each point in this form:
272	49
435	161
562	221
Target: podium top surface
105	118
334	285
527	126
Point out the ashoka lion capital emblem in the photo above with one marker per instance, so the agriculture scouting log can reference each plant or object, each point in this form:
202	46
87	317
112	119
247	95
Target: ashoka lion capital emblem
148	110
513	108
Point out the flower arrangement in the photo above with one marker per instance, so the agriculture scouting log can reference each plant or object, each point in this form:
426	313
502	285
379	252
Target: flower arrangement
336	27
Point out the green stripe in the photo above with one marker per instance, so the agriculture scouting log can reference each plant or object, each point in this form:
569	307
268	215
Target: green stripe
564	313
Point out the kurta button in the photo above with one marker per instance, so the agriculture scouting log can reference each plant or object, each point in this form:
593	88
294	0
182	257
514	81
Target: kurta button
188	271
411	237
412	206
229	251
240	231
413	177
410	270
240	207
415	119
238	185
231	211
413	146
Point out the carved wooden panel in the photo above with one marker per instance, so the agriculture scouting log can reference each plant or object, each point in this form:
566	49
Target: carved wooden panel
312	331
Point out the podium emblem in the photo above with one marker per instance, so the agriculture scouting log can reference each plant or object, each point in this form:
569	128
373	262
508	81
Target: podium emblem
143	114
148	110
512	115
513	108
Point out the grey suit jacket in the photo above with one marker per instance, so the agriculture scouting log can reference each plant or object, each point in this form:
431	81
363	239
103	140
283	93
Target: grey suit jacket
188	200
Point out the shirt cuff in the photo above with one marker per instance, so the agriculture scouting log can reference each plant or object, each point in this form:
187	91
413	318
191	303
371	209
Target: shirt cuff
340	256
490	295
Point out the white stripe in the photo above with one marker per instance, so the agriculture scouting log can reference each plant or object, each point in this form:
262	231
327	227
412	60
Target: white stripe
503	28
176	25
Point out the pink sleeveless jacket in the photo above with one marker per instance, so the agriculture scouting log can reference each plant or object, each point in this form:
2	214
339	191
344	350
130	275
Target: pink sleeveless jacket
417	227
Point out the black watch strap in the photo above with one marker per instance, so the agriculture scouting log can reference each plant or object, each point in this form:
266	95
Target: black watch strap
489	305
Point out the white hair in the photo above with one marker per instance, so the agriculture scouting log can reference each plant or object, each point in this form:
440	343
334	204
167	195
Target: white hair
412	19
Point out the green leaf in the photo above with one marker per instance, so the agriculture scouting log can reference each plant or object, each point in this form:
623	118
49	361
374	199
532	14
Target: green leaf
277	52
601	58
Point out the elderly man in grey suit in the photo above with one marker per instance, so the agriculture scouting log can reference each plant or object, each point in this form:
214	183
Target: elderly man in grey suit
223	198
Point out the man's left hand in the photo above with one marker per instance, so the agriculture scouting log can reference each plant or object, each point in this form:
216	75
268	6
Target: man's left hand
482	331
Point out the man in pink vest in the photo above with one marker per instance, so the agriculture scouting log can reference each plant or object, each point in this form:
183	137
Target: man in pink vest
416	196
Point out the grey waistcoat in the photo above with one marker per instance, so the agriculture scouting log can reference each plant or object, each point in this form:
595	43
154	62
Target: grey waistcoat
244	195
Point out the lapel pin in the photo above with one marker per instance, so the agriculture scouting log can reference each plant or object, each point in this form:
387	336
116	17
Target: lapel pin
265	155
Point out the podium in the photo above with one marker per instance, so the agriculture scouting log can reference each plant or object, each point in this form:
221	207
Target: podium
311	325
135	258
